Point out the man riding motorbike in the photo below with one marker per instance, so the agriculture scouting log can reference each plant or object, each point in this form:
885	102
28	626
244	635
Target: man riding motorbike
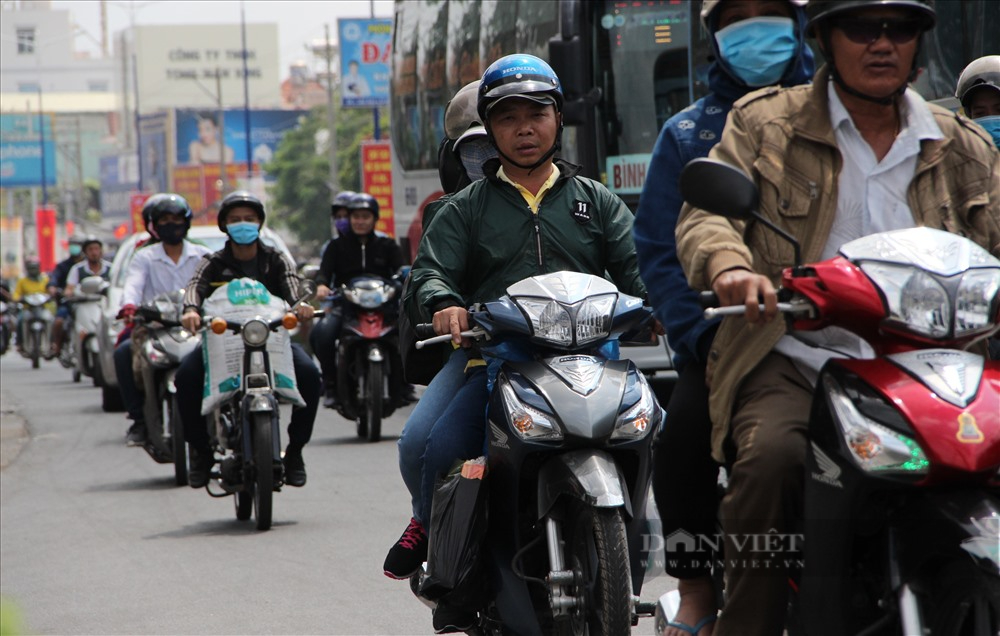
164	266
854	153
241	215
33	282
57	282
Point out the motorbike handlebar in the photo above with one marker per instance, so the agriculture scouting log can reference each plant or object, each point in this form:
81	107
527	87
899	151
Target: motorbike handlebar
424	330
738	310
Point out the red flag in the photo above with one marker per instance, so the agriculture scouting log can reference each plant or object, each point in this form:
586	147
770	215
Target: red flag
45	224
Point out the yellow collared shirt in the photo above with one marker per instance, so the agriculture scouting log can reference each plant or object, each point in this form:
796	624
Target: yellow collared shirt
533	200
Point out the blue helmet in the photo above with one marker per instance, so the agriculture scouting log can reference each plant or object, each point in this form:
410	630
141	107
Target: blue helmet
519	75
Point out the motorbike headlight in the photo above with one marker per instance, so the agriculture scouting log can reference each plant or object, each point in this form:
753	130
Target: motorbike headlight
639	419
369	296
562	325
975	299
528	422
255	332
154	355
874	447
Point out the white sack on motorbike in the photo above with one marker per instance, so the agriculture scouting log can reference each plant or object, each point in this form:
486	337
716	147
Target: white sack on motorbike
223	355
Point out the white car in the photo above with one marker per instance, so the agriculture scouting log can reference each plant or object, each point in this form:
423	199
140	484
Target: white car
111	327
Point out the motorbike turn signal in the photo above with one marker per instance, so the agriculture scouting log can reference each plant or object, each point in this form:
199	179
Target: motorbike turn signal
219	326
289	321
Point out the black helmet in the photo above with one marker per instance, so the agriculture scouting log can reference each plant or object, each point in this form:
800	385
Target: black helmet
158	205
984	72
240	198
32	266
364	201
342	200
88	240
821	10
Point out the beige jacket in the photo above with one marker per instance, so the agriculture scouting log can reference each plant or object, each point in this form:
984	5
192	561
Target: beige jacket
783	139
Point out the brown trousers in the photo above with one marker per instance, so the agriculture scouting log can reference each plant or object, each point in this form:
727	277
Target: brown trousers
765	497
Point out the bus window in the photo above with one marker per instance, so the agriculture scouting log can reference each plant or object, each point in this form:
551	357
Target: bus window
405	131
463	43
432	87
537	22
497	31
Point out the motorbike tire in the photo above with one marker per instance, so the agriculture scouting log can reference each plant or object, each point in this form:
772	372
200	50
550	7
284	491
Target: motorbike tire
244	505
965	601
35	347
178	447
373	401
77	375
606	593
263	459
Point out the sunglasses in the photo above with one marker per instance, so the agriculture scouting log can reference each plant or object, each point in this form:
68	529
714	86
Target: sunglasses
861	31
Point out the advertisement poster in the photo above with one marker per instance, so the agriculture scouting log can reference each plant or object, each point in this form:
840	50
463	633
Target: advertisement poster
200	185
23	150
119	174
11	246
135	203
365	53
376	180
206	137
153	157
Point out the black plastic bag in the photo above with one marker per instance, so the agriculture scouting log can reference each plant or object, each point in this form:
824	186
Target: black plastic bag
457	532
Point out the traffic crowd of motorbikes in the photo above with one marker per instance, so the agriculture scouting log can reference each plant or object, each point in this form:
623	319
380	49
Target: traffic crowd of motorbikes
832	471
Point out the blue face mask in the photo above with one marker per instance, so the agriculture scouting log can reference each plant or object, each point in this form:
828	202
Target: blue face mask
343	225
243	233
992	126
758	50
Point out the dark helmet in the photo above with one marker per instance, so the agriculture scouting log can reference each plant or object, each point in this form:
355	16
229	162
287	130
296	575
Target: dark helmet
518	75
32	266
708	8
984	72
342	200
240	198
820	11
158	205
364	201
89	240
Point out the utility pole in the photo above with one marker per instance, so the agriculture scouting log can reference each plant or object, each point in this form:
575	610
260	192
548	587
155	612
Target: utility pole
331	119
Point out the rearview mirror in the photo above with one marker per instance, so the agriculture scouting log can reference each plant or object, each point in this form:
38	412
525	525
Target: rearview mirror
719	188
92	285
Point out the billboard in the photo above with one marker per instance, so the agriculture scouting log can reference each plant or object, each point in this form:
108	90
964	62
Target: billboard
376	180
24	147
199	132
153	152
119	174
201	65
365	53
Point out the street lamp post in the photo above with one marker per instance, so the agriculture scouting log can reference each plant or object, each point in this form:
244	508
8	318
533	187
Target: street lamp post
331	118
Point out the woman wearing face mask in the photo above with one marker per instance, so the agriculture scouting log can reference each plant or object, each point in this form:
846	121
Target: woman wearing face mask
979	91
756	44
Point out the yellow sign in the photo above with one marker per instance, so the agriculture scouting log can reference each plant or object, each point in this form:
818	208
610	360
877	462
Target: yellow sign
968	430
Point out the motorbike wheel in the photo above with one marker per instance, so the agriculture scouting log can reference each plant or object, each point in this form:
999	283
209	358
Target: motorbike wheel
36	349
263	444
373	401
171	417
965	601
597	550
76	375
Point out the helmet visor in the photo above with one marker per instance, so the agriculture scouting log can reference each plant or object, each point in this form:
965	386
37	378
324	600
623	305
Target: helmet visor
538	98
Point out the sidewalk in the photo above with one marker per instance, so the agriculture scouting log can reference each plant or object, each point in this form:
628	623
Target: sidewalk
13	430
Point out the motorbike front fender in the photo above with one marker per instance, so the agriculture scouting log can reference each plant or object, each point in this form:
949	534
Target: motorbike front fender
375	354
589	475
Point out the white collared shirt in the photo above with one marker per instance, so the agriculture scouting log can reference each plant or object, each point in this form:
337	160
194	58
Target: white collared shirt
152	272
871	198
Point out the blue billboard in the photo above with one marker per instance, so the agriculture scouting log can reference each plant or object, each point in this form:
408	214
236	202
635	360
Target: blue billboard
22	150
199	133
365	53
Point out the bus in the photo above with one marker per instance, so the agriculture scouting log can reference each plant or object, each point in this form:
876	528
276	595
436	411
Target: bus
626	67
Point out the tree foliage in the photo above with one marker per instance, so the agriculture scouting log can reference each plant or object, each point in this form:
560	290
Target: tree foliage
301	194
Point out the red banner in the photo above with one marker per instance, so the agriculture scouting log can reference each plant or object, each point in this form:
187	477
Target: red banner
135	202
200	186
45	223
376	180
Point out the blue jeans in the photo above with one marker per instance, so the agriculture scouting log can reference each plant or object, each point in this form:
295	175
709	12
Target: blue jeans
126	381
433	402
458	434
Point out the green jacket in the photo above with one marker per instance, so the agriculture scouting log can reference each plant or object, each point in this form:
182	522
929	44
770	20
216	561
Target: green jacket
485	238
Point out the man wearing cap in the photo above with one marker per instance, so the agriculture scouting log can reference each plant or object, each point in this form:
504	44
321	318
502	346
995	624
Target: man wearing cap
532	214
854	153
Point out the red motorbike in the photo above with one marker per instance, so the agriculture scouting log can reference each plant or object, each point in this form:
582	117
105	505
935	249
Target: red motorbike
902	510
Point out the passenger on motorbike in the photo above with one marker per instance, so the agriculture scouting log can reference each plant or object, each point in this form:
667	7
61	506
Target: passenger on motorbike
241	215
532	214
33	282
164	266
757	43
460	162
854	153
357	250
979	91
57	282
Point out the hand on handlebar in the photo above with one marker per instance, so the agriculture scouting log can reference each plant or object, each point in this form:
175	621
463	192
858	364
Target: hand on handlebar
304	311
127	313
743	287
191	320
322	292
453	320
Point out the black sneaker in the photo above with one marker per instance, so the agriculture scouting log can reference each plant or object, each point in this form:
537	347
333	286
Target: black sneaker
449	619
295	469
200	464
409	394
330	400
136	434
406	556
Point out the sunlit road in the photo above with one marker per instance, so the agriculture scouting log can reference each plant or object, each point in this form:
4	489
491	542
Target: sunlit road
96	539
